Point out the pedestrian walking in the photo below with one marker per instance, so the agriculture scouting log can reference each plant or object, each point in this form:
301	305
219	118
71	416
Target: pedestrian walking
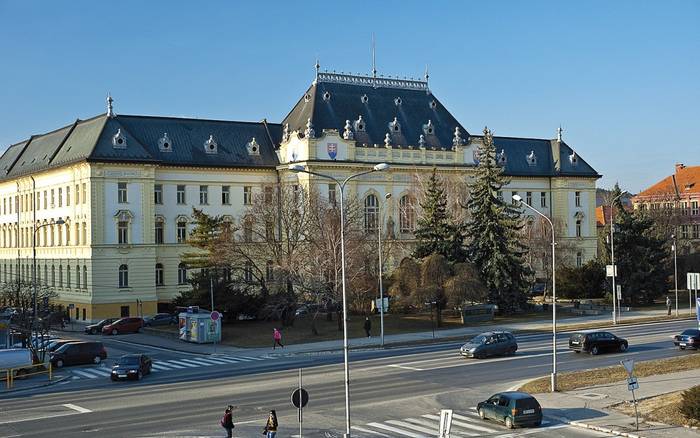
271	425
368	326
227	421
668	304
277	337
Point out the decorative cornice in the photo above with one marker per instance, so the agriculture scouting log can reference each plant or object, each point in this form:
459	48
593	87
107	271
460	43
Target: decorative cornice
339	78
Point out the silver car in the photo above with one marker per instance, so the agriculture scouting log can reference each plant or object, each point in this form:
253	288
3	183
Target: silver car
490	344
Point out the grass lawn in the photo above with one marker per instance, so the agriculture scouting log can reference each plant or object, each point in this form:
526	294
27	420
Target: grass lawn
663	409
599	376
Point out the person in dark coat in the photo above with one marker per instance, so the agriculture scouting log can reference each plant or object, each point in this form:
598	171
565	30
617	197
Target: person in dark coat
368	327
271	425
227	421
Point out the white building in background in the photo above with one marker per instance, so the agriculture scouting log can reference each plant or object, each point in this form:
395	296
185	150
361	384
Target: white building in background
126	185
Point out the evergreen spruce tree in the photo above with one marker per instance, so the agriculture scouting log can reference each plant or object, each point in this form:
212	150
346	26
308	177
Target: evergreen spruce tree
494	229
436	231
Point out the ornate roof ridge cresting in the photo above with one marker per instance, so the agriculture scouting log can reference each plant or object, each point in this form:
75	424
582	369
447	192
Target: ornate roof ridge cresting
341	78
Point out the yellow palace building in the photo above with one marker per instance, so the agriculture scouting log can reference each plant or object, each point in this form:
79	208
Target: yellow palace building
110	198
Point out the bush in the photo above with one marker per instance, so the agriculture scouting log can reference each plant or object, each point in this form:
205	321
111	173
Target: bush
690	407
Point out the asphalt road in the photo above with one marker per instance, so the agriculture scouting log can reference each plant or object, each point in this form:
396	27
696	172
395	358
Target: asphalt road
393	393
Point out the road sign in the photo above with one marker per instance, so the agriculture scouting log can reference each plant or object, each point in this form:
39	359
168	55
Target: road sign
632	384
693	280
609	270
215	315
629	365
300	398
445	423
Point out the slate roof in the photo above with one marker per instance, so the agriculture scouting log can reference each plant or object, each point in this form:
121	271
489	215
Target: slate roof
91	140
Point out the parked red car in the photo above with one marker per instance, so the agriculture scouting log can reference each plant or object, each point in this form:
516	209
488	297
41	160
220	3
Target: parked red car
123	325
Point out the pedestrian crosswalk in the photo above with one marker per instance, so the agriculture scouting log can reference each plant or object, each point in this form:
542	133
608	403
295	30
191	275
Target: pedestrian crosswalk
464	424
169	365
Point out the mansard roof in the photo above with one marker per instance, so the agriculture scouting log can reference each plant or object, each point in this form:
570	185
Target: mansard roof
93	140
334	99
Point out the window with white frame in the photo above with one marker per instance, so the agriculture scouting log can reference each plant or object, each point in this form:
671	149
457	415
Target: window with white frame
159	274
247	195
121	193
68	275
684	231
371	214
60	196
331	194
158	193
67	197
528	198
123	276
159	230
77	277
577	199
85	277
203	195
696	231
181	273
84	193
694	208
181	199
225	195
77	195
579	259
407	215
543	199
181	230
123	232
578	227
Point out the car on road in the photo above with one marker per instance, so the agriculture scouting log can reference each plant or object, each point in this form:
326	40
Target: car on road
596	342
490	344
131	366
159	319
688	339
123	325
58	343
94	329
79	353
512	408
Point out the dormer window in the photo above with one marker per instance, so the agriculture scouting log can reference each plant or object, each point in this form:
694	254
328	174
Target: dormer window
573	159
432	104
429	128
364	98
398	101
327	96
395	126
307	97
253	147
359	125
164	143
531	158
501	158
211	146
119	140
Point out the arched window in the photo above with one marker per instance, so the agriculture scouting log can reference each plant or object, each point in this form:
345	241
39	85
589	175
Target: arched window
371	213
123	276
181	273
159	274
77	277
407	215
85	283
159	233
53	275
84	236
68	279
46	274
60	276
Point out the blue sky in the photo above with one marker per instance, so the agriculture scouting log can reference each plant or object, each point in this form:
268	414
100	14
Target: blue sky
621	77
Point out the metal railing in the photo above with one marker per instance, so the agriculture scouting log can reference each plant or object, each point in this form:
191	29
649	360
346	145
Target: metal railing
11	374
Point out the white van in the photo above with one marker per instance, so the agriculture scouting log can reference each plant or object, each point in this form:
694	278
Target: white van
15	358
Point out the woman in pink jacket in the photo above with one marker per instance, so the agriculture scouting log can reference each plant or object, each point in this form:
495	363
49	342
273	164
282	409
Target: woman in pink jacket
277	336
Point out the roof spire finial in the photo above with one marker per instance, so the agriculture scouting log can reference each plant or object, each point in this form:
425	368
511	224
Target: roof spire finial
110	107
374	57
559	133
426	73
317	66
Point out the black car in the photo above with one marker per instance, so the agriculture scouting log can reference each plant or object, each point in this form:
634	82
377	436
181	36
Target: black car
688	339
94	329
490	344
159	319
131	366
79	353
596	342
512	408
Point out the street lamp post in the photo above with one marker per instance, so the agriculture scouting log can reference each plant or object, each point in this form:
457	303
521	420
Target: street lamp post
675	270
341	185
381	271
519	199
616	304
58	222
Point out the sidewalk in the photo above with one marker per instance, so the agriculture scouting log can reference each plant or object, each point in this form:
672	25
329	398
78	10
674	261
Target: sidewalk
591	407
462	333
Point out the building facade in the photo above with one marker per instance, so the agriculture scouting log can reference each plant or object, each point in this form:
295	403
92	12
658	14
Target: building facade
110	198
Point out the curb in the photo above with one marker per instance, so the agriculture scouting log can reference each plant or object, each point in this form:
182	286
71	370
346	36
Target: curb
52	382
596	428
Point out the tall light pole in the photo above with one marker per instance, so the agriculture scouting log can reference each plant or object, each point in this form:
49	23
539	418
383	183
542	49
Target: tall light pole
381	271
58	222
519	199
616	303
341	185
675	270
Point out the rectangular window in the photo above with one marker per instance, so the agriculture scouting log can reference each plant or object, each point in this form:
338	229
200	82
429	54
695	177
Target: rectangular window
181	232
225	195
181	195
60	197
696	231
53	198
512	199
67	196
84	192
684	208
159	232
203	195
268	195
77	195
528	198
247	195
684	231
694	209
122	232
577	199
331	194
543	199
158	193
121	192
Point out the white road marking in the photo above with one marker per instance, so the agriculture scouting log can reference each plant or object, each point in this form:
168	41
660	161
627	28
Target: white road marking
463	424
394	430
159	366
473	363
205	361
182	364
406	367
77	408
436	426
369	431
195	361
85	374
221	361
410	426
172	364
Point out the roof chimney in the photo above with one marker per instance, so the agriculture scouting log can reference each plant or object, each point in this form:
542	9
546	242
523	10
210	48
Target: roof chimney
679	166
